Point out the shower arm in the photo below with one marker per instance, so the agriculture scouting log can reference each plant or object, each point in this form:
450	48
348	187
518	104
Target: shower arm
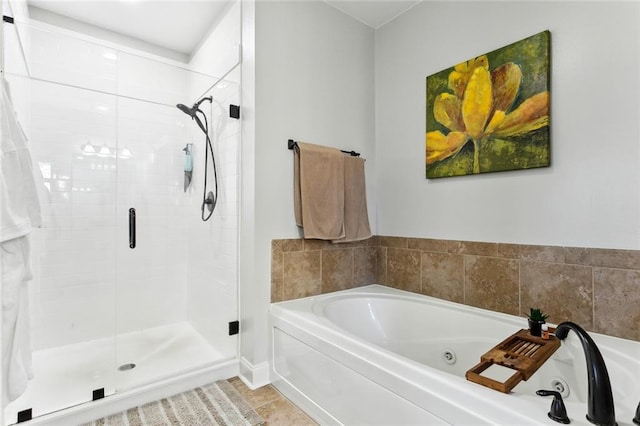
206	98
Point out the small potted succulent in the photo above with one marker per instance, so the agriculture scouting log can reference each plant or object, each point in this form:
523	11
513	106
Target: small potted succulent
536	319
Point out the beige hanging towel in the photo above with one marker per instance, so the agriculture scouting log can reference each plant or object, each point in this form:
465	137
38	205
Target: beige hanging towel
319	191
356	216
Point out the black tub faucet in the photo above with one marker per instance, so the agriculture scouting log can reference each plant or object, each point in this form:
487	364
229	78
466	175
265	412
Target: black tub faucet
600	409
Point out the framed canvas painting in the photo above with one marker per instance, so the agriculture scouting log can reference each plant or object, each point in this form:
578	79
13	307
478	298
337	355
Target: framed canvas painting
490	113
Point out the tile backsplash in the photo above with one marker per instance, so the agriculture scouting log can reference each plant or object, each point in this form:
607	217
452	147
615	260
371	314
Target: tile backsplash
596	288
301	268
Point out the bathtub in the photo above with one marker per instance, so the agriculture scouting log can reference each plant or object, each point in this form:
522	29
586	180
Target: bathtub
380	356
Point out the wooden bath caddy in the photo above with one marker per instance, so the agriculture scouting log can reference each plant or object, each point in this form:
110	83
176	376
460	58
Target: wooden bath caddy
521	352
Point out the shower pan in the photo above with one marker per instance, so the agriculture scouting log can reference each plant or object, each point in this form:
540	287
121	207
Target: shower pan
112	319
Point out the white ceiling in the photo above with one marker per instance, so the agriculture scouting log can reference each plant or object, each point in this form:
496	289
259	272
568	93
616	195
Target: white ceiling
374	13
180	25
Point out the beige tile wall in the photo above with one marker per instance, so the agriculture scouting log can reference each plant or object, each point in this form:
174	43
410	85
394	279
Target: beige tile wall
596	288
301	268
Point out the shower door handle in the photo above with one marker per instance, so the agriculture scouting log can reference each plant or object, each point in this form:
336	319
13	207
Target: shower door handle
132	228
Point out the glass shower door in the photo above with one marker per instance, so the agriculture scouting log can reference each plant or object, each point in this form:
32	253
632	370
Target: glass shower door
72	296
212	285
160	330
151	274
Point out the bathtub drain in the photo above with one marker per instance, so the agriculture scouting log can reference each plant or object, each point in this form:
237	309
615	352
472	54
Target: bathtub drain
125	367
449	356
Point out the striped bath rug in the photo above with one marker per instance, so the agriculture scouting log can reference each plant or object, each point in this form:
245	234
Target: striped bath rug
216	404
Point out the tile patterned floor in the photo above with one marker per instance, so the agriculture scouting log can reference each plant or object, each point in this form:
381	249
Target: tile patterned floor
272	406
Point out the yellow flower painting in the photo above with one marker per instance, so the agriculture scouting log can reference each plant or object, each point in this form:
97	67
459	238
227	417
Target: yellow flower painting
490	113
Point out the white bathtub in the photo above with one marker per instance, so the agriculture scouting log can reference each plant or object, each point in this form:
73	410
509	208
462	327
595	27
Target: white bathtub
380	356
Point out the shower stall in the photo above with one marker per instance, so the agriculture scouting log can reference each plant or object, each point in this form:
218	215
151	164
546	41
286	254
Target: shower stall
111	320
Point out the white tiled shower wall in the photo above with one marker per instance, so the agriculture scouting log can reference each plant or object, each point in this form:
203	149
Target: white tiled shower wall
89	284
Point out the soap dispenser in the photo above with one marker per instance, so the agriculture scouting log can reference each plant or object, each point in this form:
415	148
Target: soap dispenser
188	166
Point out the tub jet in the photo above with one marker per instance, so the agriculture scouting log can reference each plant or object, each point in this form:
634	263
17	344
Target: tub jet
449	356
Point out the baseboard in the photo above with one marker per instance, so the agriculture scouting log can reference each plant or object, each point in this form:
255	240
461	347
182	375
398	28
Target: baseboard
254	376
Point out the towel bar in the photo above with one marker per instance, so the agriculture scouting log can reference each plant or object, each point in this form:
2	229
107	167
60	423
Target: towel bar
291	144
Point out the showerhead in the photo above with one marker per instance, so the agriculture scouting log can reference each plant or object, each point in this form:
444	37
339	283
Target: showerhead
191	112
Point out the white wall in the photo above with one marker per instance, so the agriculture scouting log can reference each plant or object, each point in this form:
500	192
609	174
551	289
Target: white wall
313	83
590	196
